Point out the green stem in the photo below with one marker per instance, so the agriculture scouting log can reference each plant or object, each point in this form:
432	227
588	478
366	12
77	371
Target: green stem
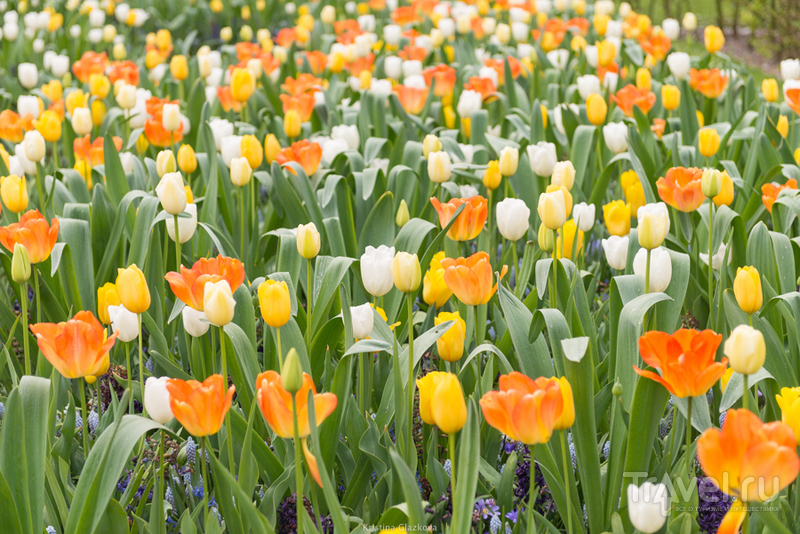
531	491
38	298
161	470
646	288
567	486
141	365
710	261
177	247
85	424
689	440
228	429
746	395
280	354
130	379
23	301
451	444
309	292
298	467
40	189
206	480
553	296
516	267
241	220
410	301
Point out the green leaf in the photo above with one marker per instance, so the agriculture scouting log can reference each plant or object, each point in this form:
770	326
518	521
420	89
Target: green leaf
466	471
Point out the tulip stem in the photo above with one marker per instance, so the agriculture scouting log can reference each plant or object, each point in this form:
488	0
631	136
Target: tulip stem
646	288
278	342
746	393
130	379
309	291
177	246
298	467
531	488
228	428
23	301
410	301
141	365
85	423
566	479
39	301
241	220
515	255
451	444
161	476
710	261
40	189
689	440
206	481
553	296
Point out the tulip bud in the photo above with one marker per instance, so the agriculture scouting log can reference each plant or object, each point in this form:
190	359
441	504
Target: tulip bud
165	163
711	182
292	123
714	39
616	249
616	390
406	272
709	142
250	148
275	303
292	378
271	148
14	192
670	97
783	126
769	87
194	322
563	174
546	238
308	240
552	209
242	84
584	216
596	109
187	160
513	217
132	289
648	506
451	345
509	161
439	167
644	80
240	171
376	270
362	318
431	143
34	146
171	117
123	321
82	121
653	225
402	214
179	68
171	192
20	264
745	349
492	176
156	400
660	268
328	14
747	289
441	401
218	302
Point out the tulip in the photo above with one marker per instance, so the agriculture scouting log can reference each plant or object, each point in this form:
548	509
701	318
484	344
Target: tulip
34	146
156	400
439	167
644	80
308	240
123	322
82	121
709	141
402	216
250	149
670	97
747	289
681	188
362	318
451	345
20	265
789	402
615	135
106	296
648	507
769	88
132	289
714	39
470	279
790	69
179	68
745	349
509	160
242	84
546	239
583	214
200	407
33	232
434	289
588	85
275	303
711	183
672	28
376	270
513	218
276	404
441	401
660	268
14	192
171	117
241	173
491	176
271	148
186	225
653	225
187	161
292	123
49	125
542	158
617	216
171	192
563	175
616	249
679	64
194	322
552	209
430	144
189	285
596	109
471	220
218	302
689	21
406	272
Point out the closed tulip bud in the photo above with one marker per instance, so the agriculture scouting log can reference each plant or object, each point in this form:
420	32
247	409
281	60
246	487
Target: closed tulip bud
406	272
546	239
187	160
653	225
451	345
714	39
82	121
171	193
328	14
292	123
596	109
542	157
186	225
513	218
292	378
648	506
362	318
509	161
275	303
747	289
171	117
492	176
49	125
711	182
179	68
165	163
226	33
689	21
99	85
660	268
584	215
552	209
439	167
615	135
20	264
14	192
567	418
132	289
709	142
218	302
308	240
563	174
242	84
403	215
616	249
769	87
106	297
28	75
34	146
156	400
701	120
124	322
606	52
644	80
126	95
745	349
98	112
194	322
376	270
670	97
783	126
430	144
271	148
441	401
240	172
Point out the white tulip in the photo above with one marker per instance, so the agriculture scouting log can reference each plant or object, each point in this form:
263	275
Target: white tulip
690	22
38	47
194	321
648	506
59	66
125	322
367	23
716	259
362	318
34	146
47	59
376	270
488	72
616	137
412	67
126	158
218	302
469	102
657	209
11	31
156	400
604	7
171	193
126	96
447	26
660	267
591	55
563	174
28	75
614	31
231	149
558	58
542	158
82	121
587	85
171	117
95	35
679	64
392	34
221	129
28	105
672	28
28	166
241	173
543	5
513	218
332	148
186	225
97	17
790	69
439	167
520	31
393	67
348	134
610	81
468	191
503	33
616	249
625	9
584	215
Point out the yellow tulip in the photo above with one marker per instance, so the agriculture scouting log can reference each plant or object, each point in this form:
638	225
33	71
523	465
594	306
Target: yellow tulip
308	240
783	126
451	345
670	97
251	149
187	160
218	302
242	84
644	80
106	296
441	401
566	240
596	109
492	176
14	192
747	289
292	123
714	39
709	142
600	23
179	67
271	148
769	87
132	289
745	349
275	303
49	125
567	417
552	209
561	185
617	216
98	112
789	402
406	272
99	85
725	196
633	190
606	52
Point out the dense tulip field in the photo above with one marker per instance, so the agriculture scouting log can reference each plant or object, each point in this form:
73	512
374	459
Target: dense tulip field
438	266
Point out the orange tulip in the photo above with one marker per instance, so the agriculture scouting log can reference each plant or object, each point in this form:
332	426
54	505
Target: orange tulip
276	404
316	60
90	63
681	188
770	192
304	152
524	409
411	53
92	151
685	359
154	129
469	222
749	459
708	82
657	45
485	86
445	77
304	83
189	285
32	231
76	348
792	97
470	279
630	96
13	127
200	408
226	99
411	98
124	70
302	103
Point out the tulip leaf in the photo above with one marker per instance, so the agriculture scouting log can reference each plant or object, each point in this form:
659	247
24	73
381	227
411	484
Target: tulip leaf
534	357
735	387
369	345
